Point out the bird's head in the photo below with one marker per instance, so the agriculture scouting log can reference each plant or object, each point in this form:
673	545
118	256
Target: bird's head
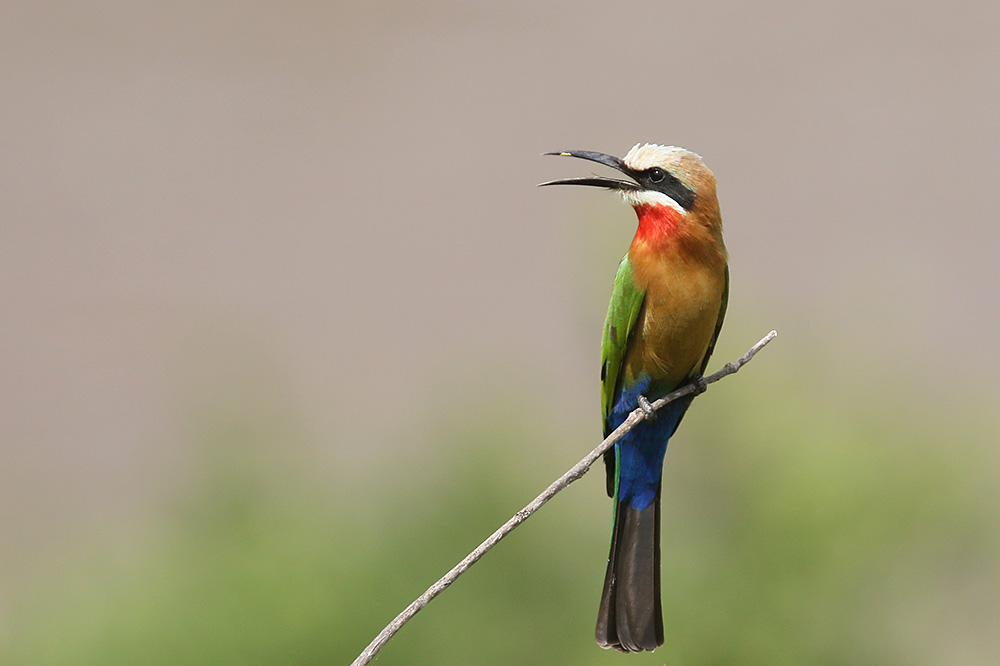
670	187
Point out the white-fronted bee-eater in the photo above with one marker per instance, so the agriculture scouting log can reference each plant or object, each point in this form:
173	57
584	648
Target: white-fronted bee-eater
667	307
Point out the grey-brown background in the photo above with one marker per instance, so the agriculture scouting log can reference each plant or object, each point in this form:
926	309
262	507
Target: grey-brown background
321	219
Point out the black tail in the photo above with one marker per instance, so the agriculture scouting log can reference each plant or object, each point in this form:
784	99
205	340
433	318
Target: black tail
630	618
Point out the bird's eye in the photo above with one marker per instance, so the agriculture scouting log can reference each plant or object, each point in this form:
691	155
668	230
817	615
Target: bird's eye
656	175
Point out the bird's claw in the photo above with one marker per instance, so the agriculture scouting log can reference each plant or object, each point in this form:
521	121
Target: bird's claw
646	408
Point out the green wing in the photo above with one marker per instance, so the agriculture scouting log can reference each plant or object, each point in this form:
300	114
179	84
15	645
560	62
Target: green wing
626	302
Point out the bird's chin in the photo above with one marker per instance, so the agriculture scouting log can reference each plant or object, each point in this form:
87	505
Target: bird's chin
637	198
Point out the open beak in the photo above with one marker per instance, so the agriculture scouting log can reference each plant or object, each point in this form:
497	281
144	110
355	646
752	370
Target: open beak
596	181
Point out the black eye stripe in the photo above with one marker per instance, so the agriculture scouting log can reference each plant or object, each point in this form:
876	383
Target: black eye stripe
661	180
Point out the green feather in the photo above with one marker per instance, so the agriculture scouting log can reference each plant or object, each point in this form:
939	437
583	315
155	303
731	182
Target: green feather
623	312
626	302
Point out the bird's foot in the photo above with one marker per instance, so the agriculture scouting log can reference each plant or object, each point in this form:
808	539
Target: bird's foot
699	386
646	408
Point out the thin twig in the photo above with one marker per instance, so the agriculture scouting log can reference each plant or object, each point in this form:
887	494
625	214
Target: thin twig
578	470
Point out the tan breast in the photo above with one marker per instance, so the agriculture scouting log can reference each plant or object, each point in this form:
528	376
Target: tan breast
679	315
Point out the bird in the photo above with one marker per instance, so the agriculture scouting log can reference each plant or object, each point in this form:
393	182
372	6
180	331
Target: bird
667	307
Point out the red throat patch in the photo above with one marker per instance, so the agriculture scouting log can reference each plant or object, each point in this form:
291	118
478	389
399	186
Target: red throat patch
657	223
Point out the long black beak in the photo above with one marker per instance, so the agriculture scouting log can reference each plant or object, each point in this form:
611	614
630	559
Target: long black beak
596	181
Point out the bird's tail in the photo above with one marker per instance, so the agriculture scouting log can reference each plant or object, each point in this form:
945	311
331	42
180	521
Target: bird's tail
630	618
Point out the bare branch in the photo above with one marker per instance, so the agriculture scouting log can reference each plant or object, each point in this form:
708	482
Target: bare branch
569	477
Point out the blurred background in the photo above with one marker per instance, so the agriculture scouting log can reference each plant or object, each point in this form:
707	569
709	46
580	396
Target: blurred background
287	329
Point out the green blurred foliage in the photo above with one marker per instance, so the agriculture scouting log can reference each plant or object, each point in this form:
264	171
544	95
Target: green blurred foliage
800	527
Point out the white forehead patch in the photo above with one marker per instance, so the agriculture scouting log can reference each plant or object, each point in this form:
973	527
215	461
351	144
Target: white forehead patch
648	155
